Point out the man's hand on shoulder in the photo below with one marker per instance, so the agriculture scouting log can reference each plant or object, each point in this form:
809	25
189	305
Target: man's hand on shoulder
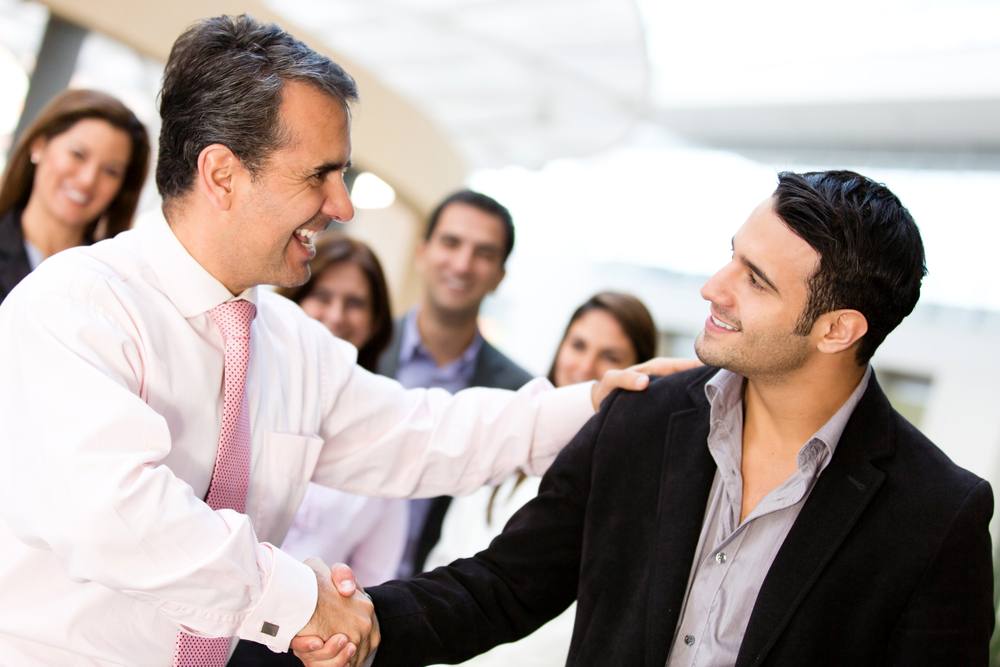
636	378
344	615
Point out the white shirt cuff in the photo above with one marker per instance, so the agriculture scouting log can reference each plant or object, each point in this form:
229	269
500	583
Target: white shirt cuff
288	603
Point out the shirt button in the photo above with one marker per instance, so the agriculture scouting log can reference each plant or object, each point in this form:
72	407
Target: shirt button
689	640
720	557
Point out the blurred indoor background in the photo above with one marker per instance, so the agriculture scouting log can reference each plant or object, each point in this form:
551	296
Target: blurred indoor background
629	139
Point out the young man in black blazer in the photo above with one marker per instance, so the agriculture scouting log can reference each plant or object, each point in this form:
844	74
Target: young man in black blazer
775	512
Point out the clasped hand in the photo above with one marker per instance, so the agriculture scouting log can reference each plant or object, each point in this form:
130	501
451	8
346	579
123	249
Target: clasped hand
343	629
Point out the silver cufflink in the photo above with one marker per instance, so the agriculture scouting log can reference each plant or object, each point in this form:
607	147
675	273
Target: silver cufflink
269	629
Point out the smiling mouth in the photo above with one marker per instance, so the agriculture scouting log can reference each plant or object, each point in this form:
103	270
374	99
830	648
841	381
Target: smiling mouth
719	323
305	237
457	285
76	196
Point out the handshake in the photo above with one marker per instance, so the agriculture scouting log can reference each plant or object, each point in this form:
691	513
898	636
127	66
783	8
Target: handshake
343	630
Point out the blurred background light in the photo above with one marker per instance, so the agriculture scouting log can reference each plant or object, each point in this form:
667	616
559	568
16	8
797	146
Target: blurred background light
370	191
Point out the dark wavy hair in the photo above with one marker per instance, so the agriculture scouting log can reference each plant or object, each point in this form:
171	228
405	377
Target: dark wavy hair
333	249
871	255
222	85
64	111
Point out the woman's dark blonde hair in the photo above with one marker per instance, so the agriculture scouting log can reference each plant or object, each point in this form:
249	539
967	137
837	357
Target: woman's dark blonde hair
62	113
335	248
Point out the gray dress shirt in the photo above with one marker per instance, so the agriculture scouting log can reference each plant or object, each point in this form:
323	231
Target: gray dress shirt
732	559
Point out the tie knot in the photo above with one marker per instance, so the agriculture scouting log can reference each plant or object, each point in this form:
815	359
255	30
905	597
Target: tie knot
234	317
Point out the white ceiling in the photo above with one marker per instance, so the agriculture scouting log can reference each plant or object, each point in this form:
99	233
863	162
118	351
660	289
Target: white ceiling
511	82
913	82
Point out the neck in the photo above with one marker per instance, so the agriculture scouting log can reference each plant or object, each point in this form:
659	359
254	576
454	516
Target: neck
445	335
783	415
199	245
46	233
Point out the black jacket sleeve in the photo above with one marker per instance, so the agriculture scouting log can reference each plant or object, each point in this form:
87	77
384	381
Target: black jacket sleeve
527	576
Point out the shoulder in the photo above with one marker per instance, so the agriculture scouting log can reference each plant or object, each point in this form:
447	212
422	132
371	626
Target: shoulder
925	470
97	274
922	478
679	391
494	369
287	322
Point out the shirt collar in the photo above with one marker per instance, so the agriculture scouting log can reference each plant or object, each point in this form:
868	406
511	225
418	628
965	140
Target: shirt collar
725	394
411	344
186	282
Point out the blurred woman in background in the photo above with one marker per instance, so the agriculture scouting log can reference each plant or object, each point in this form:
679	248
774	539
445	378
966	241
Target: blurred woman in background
74	178
347	293
609	331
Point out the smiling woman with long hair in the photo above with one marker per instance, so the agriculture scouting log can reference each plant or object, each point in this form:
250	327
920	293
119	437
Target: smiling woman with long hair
73	178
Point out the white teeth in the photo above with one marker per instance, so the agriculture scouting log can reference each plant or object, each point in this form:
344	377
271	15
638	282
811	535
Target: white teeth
720	323
75	196
308	235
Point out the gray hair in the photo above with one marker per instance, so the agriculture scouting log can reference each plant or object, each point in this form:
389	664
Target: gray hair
222	84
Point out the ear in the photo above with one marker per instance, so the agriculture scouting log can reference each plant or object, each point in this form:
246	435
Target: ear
37	146
840	330
420	254
500	277
218	172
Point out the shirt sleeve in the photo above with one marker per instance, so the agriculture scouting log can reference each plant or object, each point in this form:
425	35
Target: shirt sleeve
384	440
82	479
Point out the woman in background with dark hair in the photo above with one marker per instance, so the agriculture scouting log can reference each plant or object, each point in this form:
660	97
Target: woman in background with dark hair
73	178
610	330
347	293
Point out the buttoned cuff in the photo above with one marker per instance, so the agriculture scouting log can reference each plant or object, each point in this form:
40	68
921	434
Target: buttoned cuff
564	412
288	603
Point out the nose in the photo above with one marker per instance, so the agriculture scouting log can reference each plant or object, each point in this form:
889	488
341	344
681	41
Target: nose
333	316
588	367
338	204
461	260
716	288
87	174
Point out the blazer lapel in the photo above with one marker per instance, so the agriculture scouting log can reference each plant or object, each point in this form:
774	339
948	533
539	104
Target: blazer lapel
842	492
486	370
388	361
685	482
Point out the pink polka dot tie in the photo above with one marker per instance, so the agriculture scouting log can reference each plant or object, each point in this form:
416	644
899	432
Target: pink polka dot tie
228	489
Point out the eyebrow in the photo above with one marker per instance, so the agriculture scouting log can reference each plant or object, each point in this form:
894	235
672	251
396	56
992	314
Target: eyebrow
763	276
332	166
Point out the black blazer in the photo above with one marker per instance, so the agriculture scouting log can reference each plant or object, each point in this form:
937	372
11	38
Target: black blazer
888	563
13	258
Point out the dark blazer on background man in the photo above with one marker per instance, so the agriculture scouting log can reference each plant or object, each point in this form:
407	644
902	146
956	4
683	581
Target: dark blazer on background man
14	264
888	563
493	369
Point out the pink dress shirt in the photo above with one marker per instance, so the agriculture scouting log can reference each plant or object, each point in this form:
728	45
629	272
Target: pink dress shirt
110	408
